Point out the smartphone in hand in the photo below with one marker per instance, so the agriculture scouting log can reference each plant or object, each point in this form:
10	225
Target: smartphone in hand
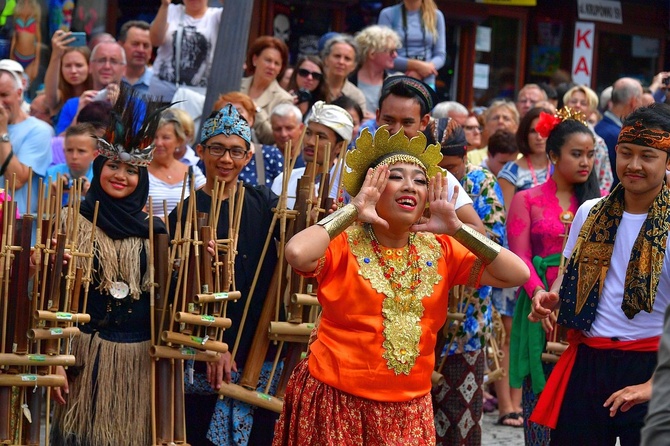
79	39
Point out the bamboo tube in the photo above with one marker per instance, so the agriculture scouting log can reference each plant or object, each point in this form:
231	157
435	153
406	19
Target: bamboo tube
495	375
52	333
162	372
165	352
251	397
304	299
36	360
287	328
32	430
217	297
179	415
5	402
456	317
194	341
26	380
435	378
52	316
203	320
551	358
556	347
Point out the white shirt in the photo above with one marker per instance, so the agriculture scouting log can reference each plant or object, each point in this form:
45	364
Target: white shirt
610	320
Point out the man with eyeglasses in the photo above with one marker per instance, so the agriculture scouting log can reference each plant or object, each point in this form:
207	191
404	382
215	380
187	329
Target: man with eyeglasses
108	66
529	95
225	149
329	127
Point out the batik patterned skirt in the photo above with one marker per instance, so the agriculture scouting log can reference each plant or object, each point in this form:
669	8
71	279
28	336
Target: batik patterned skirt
317	414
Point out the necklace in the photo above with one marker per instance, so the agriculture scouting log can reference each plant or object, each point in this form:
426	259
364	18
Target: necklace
398	278
404	277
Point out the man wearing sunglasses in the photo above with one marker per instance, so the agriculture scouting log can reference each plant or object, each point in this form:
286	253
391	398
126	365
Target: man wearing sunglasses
225	150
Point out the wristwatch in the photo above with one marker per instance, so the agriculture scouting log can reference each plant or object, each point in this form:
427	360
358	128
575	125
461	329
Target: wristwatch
4	137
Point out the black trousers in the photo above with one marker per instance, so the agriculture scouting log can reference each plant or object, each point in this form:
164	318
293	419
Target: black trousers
596	375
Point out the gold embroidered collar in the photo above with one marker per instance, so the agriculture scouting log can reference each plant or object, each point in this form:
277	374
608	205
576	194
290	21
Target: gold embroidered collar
402	309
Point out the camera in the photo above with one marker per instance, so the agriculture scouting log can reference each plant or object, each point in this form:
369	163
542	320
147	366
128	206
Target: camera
666	81
304	95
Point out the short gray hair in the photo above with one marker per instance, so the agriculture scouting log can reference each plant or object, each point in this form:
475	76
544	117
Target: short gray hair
340	38
107	42
285	109
443	109
18	83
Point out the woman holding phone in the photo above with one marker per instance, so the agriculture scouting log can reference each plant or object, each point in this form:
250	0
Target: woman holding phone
68	74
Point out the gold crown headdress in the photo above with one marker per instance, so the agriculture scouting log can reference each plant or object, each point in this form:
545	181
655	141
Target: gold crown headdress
134	121
384	148
546	122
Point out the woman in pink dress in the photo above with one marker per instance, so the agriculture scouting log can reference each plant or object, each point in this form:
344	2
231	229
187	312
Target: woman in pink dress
537	227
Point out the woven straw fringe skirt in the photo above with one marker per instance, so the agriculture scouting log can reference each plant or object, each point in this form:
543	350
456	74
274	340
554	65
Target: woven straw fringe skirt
109	402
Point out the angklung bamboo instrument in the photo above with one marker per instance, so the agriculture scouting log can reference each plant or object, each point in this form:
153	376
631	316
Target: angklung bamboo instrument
30	316
295	333
557	340
190	324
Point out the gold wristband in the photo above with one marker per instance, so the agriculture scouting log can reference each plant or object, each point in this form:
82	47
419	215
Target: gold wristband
484	248
339	220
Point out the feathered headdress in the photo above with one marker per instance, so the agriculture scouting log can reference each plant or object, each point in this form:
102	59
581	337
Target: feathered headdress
130	135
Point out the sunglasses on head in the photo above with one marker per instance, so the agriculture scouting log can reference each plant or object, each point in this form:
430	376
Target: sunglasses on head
304	73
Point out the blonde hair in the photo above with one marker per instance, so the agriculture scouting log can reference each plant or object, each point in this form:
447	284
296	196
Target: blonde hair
429	16
186	124
170	117
507	105
375	39
591	96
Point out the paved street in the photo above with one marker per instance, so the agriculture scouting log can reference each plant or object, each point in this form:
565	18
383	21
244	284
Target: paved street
493	435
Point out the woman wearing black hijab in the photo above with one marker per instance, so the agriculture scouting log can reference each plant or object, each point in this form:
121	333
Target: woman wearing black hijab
108	400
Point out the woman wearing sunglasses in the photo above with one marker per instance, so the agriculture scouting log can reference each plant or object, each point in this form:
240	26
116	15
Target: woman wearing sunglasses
306	83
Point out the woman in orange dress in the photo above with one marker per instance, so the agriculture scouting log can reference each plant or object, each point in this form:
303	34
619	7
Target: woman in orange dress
383	288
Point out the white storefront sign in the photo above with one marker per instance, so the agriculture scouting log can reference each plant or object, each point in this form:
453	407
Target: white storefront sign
600	10
582	53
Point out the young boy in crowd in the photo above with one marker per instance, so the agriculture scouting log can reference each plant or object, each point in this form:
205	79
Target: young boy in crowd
80	148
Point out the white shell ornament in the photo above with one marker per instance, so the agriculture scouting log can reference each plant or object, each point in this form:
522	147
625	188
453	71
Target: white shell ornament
124	156
119	290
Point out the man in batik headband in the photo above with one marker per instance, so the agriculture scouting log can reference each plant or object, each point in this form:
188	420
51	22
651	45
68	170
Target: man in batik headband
224	148
329	130
613	295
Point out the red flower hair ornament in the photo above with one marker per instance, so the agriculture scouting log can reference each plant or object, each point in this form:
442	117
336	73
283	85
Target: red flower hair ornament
546	123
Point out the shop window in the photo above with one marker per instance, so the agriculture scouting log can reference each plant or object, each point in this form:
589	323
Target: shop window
624	55
496	60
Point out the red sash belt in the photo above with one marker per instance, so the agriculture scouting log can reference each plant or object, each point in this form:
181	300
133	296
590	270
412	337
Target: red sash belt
549	404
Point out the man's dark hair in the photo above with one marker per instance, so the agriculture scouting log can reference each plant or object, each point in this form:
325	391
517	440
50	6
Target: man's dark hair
502	141
141	24
98	113
347	103
654	116
404	91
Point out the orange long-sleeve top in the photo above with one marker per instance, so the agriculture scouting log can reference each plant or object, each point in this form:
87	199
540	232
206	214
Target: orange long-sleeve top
348	353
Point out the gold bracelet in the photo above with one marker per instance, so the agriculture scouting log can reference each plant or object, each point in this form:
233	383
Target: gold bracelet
339	220
484	248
